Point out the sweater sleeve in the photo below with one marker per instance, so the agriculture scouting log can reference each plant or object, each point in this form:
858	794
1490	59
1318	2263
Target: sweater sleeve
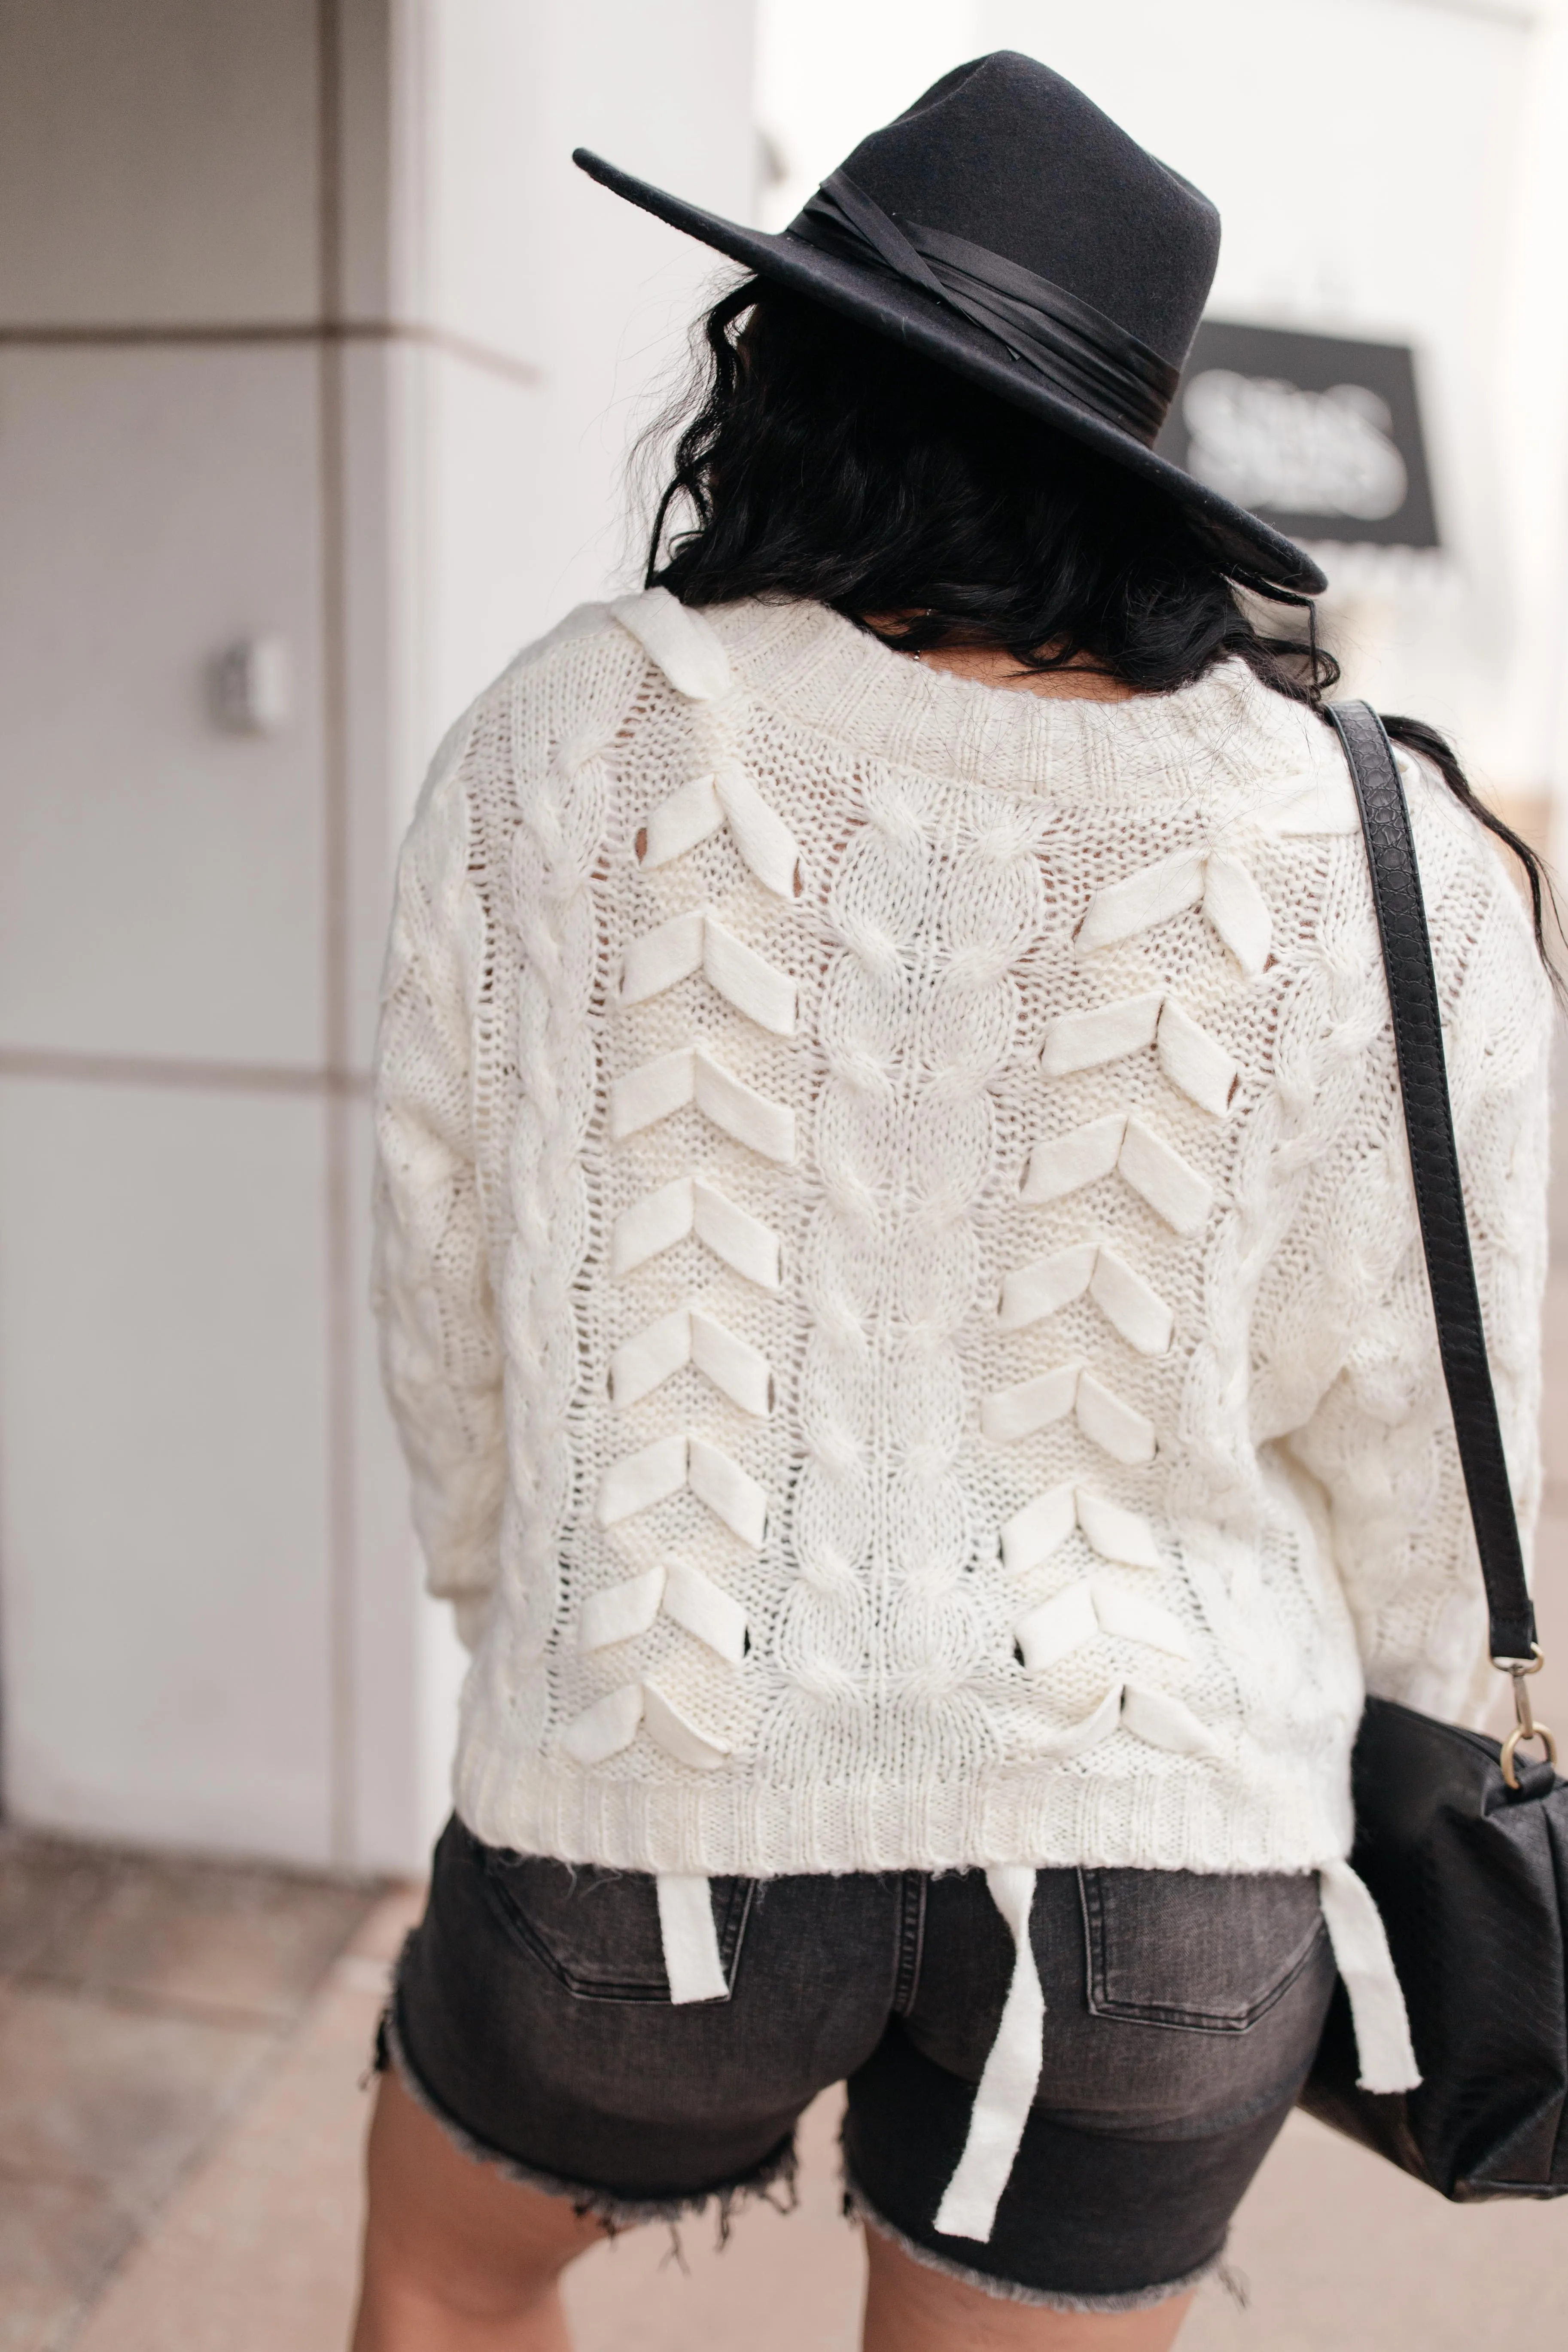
1379	1443
440	1344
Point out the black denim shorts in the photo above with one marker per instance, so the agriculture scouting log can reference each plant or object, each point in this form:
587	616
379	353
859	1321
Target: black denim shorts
531	2016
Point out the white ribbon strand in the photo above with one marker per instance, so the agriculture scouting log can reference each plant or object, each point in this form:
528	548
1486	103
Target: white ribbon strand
1008	1415
698	942
1171	1185
685	1929
680	642
1363	1961
1033	1534
1188	1055
1129	1303
688	1206
638	1481
1012	2077
673	1081
1217	882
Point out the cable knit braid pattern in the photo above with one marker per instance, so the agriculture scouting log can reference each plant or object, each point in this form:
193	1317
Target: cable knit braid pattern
897	1265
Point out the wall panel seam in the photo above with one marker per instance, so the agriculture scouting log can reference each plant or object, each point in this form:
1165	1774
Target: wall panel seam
342	1531
188	1074
486	357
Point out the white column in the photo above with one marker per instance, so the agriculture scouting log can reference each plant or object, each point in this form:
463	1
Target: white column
165	930
310	331
529	312
1533	399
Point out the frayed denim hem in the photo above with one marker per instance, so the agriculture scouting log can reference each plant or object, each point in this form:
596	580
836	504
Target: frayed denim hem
776	2170
860	2208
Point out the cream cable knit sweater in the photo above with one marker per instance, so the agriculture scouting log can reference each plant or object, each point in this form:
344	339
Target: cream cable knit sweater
897	1263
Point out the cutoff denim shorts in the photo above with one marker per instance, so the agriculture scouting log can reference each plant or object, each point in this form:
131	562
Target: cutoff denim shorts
532	2017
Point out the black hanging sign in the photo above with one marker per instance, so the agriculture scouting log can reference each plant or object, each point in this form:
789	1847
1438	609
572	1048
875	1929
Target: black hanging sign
1319	435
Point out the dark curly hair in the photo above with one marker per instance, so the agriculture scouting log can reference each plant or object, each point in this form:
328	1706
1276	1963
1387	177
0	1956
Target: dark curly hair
815	459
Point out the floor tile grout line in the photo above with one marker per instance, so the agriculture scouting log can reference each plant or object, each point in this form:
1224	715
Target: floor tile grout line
54	2176
67	1849
228	2112
140	2000
243	2096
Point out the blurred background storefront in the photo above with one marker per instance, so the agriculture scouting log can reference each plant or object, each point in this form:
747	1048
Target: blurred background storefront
317	363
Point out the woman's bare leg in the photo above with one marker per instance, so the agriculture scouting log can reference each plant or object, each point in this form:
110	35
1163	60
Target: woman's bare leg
456	2257
459	2259
912	2308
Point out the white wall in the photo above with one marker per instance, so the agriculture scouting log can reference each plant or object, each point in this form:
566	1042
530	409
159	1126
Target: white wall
165	1630
307	325
537	316
1391	168
513	250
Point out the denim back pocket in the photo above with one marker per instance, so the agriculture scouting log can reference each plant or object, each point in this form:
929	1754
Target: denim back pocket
1206	1953
596	1930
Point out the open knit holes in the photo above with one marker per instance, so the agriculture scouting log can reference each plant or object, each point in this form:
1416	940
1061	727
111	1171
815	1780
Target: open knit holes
1104	1620
535	1049
824	1618
707	847
645	841
936	898
880	1687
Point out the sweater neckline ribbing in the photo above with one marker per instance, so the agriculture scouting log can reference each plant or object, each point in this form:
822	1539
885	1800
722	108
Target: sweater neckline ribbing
1228	735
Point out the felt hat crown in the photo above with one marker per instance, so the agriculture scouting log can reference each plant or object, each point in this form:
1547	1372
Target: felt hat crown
1006	229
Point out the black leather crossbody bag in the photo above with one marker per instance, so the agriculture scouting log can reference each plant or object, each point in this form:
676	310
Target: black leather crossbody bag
1462	1842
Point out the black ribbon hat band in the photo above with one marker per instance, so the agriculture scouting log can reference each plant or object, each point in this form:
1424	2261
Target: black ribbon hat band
1005	228
1066	344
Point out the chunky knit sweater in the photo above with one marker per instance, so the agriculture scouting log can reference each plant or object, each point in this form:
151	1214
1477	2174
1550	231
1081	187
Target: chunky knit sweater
897	1260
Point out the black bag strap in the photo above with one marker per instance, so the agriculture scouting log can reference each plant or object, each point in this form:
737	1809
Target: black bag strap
1435	1166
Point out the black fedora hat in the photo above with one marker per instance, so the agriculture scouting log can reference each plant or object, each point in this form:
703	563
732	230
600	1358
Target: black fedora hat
1007	229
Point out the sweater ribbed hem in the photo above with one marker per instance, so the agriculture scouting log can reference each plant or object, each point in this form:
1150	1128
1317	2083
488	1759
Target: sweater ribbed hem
1197	1820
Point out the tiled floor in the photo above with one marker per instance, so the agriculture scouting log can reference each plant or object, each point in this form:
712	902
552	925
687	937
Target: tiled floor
141	2004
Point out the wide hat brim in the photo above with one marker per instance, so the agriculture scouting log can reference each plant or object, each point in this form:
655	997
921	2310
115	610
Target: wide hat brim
902	311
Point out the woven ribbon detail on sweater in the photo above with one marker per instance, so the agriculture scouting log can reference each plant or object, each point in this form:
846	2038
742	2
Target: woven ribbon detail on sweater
896	1267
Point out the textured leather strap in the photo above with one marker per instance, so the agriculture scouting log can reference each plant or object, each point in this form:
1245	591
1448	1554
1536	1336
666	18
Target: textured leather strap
1435	1166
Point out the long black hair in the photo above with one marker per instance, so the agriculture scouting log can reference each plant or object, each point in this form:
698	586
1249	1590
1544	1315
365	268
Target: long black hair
815	459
